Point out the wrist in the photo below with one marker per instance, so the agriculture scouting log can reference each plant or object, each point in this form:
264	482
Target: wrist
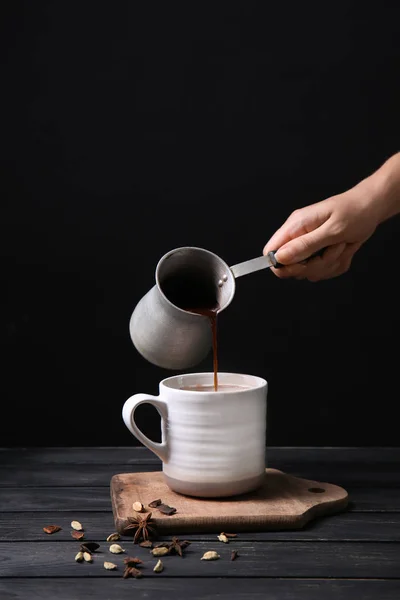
382	189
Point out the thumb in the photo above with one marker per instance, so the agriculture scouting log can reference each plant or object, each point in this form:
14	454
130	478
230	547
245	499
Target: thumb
304	246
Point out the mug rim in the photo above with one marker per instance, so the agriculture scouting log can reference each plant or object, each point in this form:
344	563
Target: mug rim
259	383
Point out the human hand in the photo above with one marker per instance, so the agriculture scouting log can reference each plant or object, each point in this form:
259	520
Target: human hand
341	224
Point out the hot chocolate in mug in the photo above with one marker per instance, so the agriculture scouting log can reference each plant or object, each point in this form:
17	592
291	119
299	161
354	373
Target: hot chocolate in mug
213	443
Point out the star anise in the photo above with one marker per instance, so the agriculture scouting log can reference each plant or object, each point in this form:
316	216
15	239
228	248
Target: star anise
132	561
176	546
132	572
144	530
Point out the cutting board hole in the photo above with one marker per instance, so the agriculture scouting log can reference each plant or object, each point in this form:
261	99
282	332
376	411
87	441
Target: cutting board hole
316	490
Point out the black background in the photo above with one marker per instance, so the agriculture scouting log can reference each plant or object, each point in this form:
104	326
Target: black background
132	128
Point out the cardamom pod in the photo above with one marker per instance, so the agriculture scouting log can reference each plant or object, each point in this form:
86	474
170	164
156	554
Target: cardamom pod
138	507
87	556
79	557
222	538
113	537
109	566
116	549
161	551
76	525
211	555
159	567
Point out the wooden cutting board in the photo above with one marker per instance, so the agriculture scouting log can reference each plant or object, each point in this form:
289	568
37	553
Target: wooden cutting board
283	502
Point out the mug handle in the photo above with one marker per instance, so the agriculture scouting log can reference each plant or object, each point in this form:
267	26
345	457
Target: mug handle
128	415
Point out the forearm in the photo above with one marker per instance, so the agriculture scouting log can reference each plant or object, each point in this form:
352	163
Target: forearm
384	188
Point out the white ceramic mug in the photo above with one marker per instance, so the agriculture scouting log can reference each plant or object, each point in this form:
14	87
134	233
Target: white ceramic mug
213	443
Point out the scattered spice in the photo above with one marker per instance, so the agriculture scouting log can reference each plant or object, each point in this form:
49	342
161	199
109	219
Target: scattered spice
234	554
166	510
79	557
87	549
76	525
159	567
77	535
90	547
210	555
52	529
143	526
155	503
223	538
160	551
132	561
110	566
146	544
138	507
176	546
162	545
114	537
116	549
132	572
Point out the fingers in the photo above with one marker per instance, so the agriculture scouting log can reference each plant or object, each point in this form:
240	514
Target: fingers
339	267
297	271
335	261
325	225
320	265
300	223
336	268
304	246
315	267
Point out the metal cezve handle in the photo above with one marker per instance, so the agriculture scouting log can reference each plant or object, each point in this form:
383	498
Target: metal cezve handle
263	262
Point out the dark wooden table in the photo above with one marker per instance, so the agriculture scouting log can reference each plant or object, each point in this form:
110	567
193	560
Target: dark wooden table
354	555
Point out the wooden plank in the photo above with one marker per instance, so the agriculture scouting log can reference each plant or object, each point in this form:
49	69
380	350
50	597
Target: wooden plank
325	455
133	454
168	588
98	499
257	559
45	499
369	527
78	475
77	455
67	475
353	474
